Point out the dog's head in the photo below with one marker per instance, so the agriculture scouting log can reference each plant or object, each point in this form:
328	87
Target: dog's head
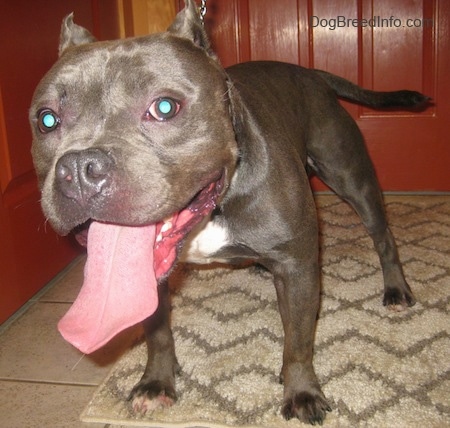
135	137
132	131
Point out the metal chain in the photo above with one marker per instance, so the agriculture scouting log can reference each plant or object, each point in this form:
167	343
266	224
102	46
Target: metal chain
202	12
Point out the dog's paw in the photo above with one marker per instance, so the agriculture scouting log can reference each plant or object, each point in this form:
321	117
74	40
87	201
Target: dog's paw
398	300
148	396
307	407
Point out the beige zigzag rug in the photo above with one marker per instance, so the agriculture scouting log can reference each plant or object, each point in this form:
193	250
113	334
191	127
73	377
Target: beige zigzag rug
377	368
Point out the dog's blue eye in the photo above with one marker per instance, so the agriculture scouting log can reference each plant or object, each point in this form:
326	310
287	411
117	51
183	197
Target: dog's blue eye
163	109
48	120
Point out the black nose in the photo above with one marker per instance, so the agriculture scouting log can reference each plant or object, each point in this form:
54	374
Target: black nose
83	174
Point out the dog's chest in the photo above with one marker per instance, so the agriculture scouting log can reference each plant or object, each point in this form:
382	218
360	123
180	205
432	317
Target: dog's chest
204	242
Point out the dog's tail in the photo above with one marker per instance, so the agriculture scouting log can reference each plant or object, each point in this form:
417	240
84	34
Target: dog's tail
350	91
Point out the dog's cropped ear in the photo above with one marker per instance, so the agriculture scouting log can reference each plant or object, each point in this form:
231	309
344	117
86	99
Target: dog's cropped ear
187	24
73	34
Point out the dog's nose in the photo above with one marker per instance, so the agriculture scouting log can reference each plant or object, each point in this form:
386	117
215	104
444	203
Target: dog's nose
80	175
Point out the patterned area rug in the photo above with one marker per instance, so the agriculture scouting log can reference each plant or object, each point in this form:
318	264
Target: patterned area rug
377	368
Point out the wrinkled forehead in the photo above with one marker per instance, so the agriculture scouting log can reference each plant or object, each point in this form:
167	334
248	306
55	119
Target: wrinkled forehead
137	66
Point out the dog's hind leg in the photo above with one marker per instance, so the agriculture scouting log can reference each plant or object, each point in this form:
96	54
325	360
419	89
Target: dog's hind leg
157	386
368	203
346	168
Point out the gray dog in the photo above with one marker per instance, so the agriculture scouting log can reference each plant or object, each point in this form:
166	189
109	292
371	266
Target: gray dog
168	156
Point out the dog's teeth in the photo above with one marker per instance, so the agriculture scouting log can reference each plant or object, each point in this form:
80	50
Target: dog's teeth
166	226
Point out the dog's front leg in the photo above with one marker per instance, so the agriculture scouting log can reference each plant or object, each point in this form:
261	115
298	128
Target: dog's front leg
157	386
298	290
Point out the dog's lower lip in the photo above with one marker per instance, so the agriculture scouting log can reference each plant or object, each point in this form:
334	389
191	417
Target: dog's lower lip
201	204
180	223
213	190
81	232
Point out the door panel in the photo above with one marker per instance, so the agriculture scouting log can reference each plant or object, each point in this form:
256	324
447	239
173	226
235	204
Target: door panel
409	149
272	32
30	252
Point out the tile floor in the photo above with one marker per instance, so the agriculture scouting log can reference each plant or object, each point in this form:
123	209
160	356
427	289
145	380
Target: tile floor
44	381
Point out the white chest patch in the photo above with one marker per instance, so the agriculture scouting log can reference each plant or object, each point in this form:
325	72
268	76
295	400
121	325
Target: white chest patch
204	242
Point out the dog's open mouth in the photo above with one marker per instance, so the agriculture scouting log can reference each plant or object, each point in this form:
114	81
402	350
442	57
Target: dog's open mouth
122	271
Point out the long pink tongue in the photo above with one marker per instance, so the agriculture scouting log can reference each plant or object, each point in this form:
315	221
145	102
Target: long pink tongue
119	289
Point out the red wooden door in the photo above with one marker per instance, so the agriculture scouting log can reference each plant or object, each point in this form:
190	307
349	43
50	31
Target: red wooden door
402	44
30	252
